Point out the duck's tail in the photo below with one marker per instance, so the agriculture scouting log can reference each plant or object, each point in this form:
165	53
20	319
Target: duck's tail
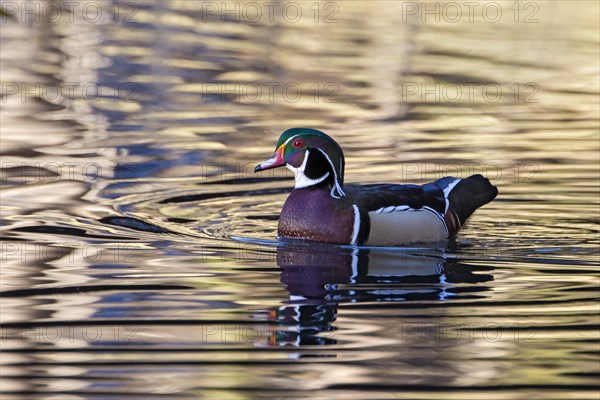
463	197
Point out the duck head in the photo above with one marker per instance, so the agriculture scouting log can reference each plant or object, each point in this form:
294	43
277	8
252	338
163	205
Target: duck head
313	157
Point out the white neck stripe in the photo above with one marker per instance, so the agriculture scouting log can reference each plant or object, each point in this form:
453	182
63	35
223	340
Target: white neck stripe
336	186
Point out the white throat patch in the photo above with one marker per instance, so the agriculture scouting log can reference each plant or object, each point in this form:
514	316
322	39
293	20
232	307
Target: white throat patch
302	180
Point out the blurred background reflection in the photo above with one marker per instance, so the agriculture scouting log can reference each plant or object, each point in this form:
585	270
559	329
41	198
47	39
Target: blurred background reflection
139	253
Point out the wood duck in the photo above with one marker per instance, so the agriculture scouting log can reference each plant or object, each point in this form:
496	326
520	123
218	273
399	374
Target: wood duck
322	209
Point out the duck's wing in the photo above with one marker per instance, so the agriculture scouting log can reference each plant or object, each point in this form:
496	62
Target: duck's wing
388	213
375	197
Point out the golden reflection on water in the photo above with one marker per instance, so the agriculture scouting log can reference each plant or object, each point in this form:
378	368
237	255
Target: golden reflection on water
186	106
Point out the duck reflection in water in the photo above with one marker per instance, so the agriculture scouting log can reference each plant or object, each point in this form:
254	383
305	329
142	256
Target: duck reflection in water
320	277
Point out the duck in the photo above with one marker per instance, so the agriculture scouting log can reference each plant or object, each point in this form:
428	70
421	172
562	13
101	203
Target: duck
321	208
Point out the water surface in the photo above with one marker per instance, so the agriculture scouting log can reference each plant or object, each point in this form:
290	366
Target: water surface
139	255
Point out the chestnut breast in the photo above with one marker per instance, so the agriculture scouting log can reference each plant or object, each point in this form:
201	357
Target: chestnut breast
312	214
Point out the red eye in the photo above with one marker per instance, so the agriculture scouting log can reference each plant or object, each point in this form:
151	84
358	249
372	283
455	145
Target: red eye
298	143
